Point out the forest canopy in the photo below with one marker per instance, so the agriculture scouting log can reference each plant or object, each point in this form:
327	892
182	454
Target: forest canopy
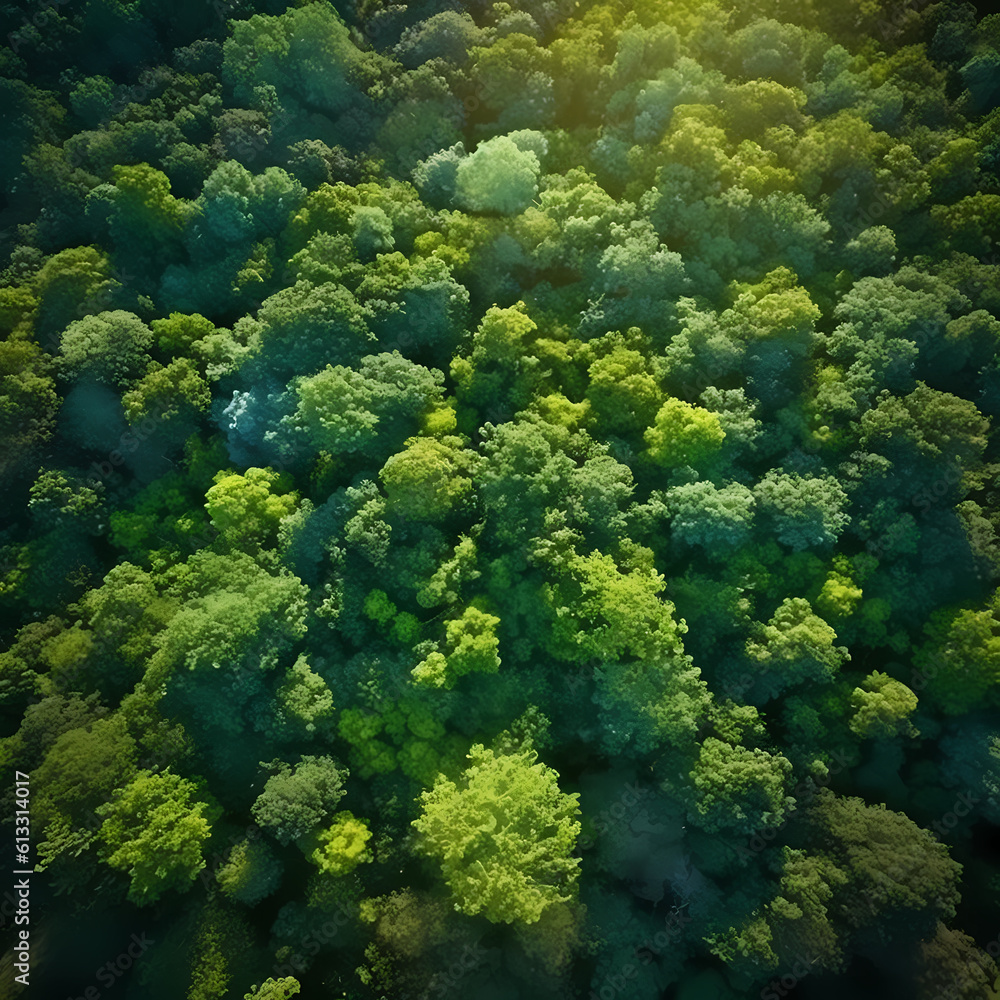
500	497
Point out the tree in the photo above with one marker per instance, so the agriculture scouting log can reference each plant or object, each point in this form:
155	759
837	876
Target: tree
872	252
952	964
227	604
499	370
143	216
736	788
298	798
417	304
649	702
881	707
368	410
769	49
796	646
514	80
958	663
79	278
805	511
110	347
926	423
304	702
683	434
444	586
497	177
234	207
472	647
802	914
503	835
970	754
430	478
900	877
251	873
175	394
600	611
82	769
637	264
718	520
154	829
623	392
304	54
341	847
274	989
304	327
247	509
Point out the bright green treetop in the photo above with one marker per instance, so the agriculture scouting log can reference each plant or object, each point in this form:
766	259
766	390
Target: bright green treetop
503	835
684	434
154	830
342	846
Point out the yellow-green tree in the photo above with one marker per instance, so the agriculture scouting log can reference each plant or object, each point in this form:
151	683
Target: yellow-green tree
154	829
503	834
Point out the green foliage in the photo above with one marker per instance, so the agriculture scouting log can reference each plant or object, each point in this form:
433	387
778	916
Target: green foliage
172	393
734	788
153	829
444	586
227	602
28	402
895	868
806	511
110	347
716	519
951	957
367	411
304	702
304	54
682	434
667	695
429	479
483	830
498	177
648	350
881	706
298	798
274	989
340	848
599	611
958	661
251	873
247	509
219	935
795	646
471	644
